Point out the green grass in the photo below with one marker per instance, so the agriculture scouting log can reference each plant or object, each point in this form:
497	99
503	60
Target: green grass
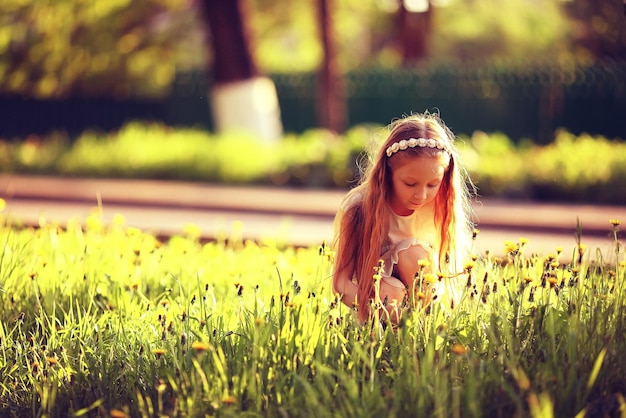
105	320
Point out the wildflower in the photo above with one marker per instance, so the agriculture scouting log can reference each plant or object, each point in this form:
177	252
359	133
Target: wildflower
423	263
420	295
52	360
459	349
200	346
614	222
229	400
523	241
161	387
430	278
468	266
475	232
116	413
510	247
159	352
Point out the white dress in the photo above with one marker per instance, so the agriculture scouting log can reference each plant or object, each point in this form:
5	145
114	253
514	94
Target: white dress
403	231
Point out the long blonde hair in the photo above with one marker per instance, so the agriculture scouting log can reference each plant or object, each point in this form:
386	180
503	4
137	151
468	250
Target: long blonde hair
360	224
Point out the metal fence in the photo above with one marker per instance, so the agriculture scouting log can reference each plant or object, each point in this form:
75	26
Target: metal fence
522	102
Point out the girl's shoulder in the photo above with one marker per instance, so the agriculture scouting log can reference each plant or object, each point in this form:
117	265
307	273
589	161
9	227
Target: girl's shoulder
352	199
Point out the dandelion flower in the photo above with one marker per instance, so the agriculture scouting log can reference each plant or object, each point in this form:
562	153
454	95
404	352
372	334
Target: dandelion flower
116	413
229	400
430	278
614	222
510	247
200	346
468	266
459	349
159	352
423	263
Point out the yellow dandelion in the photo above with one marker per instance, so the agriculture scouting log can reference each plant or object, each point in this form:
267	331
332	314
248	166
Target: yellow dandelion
229	400
117	413
459	349
510	247
159	352
552	280
192	231
118	220
430	278
161	387
523	241
614	222
423	263
132	231
52	360
420	295
200	346
468	266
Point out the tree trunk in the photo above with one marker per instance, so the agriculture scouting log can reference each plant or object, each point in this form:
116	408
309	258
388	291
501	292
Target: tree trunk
332	108
415	30
241	98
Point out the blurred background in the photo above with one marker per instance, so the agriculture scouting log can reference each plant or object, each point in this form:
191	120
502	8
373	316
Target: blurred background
506	74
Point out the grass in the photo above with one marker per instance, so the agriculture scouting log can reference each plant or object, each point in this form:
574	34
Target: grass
105	320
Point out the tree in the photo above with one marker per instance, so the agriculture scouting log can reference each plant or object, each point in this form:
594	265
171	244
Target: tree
332	111
415	26
241	99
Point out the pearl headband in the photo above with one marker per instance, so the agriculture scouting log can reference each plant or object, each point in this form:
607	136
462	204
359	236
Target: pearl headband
415	142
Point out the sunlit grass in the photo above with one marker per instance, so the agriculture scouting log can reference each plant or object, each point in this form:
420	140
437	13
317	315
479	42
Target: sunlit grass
106	319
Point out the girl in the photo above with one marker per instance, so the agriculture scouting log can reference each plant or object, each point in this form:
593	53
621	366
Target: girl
409	213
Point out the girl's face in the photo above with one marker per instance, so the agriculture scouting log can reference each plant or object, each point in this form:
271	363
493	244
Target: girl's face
416	182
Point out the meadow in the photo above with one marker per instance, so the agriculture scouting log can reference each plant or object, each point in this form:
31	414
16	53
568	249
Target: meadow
106	320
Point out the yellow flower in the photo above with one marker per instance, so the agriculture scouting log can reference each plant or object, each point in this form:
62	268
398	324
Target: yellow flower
459	349
430	278
159	352
614	222
229	400
116	413
510	247
200	346
423	263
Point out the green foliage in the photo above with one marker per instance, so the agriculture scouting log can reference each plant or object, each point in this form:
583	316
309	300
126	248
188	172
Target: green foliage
55	48
51	48
584	168
104	319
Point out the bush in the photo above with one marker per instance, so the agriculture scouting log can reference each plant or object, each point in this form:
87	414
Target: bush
571	168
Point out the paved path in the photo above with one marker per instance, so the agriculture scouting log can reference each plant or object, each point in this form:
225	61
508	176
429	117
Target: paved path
296	216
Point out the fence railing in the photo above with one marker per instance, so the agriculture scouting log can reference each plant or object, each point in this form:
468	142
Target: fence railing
523	101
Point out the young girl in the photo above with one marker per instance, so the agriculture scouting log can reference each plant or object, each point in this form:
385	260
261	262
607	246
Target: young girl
409	213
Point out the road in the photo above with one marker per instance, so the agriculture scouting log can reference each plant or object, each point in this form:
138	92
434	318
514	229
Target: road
298	217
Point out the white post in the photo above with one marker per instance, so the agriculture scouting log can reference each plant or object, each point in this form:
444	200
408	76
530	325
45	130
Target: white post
247	105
